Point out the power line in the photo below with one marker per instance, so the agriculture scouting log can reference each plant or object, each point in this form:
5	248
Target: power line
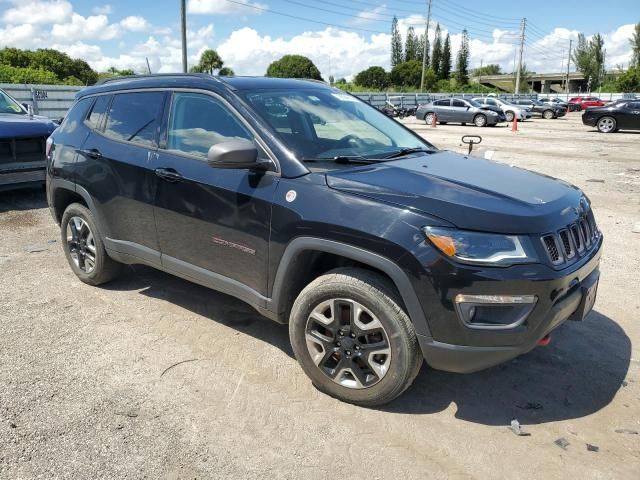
474	12
493	23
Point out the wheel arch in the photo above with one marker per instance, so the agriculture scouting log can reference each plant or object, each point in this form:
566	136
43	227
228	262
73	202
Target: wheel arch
290	278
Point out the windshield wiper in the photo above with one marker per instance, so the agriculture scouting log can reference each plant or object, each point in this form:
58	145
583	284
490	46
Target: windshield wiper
406	151
343	159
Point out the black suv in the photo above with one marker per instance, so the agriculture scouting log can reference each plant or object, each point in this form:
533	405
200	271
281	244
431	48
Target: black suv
378	249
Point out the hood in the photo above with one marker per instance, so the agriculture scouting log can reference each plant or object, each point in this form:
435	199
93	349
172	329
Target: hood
15	125
471	193
493	108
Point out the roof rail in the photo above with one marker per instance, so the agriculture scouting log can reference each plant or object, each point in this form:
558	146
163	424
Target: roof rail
154	75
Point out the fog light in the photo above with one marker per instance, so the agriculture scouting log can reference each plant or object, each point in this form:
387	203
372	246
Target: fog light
494	312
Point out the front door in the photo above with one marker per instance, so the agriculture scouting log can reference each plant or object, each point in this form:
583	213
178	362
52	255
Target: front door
629	116
212	223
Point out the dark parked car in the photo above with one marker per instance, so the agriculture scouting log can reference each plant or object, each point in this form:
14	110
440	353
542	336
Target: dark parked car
545	110
621	115
459	110
22	144
555	101
318	210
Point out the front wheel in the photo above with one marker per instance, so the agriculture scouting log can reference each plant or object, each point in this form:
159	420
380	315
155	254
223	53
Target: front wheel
480	120
607	125
428	119
353	339
84	248
510	116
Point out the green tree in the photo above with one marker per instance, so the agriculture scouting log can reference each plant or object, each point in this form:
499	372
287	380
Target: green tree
444	72
396	44
430	80
436	56
525	78
635	46
58	63
294	66
411	46
15	57
421	45
372	77
491	69
462	62
406	74
9	74
210	61
588	56
226	72
629	81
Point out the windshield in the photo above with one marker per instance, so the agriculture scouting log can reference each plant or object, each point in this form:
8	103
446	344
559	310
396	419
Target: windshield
537	102
326	124
474	103
9	105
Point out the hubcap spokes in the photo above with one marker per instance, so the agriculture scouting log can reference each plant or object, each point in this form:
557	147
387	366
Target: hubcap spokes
606	124
81	243
348	343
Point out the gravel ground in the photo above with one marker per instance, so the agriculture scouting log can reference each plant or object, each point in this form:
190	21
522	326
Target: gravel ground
151	376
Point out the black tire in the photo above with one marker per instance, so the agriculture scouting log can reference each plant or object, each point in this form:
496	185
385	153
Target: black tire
428	118
104	267
376	294
548	114
480	120
442	123
510	116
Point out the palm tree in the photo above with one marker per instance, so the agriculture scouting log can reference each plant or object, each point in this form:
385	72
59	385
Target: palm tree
210	61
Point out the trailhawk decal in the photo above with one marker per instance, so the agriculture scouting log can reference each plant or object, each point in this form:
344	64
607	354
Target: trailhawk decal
237	246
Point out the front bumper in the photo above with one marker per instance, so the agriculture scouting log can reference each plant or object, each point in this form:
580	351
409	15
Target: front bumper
588	120
18	177
455	347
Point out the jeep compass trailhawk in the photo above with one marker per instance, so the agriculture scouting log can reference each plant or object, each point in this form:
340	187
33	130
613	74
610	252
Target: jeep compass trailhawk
375	247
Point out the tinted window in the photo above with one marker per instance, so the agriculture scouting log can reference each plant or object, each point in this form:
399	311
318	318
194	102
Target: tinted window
442	103
76	115
134	117
199	121
633	105
491	101
458	103
99	108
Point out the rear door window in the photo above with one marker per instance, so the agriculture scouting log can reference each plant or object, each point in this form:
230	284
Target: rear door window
98	110
442	103
75	116
134	117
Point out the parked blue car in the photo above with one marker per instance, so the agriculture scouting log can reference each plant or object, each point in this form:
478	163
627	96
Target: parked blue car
23	139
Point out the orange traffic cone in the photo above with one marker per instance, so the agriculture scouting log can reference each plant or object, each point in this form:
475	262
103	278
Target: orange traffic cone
433	120
514	124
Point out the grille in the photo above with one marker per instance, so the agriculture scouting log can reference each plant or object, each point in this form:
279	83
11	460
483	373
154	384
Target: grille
571	242
22	150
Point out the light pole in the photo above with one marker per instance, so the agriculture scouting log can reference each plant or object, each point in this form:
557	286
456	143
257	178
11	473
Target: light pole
183	23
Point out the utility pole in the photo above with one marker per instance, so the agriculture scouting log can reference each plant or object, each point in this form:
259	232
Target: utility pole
480	73
523	26
568	64
183	23
426	43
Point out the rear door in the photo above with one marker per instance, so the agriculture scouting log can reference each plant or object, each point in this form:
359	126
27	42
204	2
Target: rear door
213	223
116	167
629	116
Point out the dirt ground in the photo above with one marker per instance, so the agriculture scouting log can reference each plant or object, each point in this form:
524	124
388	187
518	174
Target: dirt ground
154	377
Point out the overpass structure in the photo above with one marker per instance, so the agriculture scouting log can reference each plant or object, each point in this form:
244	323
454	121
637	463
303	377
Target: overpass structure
538	82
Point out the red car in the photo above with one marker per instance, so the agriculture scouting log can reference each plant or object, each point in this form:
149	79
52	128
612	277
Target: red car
581	103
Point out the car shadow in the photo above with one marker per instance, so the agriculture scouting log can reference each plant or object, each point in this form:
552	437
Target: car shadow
22	199
216	306
578	374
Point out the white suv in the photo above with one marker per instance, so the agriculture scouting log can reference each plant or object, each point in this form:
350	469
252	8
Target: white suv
510	111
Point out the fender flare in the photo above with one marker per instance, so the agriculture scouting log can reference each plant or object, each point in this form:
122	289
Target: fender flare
301	244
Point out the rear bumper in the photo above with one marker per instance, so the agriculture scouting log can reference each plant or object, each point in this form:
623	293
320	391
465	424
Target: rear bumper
559	297
10	179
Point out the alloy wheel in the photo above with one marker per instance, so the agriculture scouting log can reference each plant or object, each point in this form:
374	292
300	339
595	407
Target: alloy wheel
348	343
509	116
428	119
606	125
480	121
81	244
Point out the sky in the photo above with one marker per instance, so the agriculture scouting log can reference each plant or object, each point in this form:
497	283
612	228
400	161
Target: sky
341	37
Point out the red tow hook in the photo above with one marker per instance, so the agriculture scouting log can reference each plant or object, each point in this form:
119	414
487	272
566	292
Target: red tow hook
544	341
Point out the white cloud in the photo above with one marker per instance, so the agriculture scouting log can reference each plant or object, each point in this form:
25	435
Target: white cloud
102	9
617	45
135	24
38	12
20	36
222	7
95	27
368	16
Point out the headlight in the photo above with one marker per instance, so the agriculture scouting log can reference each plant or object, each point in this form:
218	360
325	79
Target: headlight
481	248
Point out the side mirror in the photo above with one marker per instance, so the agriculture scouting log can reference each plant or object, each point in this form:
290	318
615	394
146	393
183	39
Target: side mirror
241	154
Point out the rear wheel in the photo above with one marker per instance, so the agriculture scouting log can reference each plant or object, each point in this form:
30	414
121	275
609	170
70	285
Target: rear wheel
480	120
510	116
84	248
353	339
607	125
547	114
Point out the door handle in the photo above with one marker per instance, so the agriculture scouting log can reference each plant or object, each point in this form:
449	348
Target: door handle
168	174
92	153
